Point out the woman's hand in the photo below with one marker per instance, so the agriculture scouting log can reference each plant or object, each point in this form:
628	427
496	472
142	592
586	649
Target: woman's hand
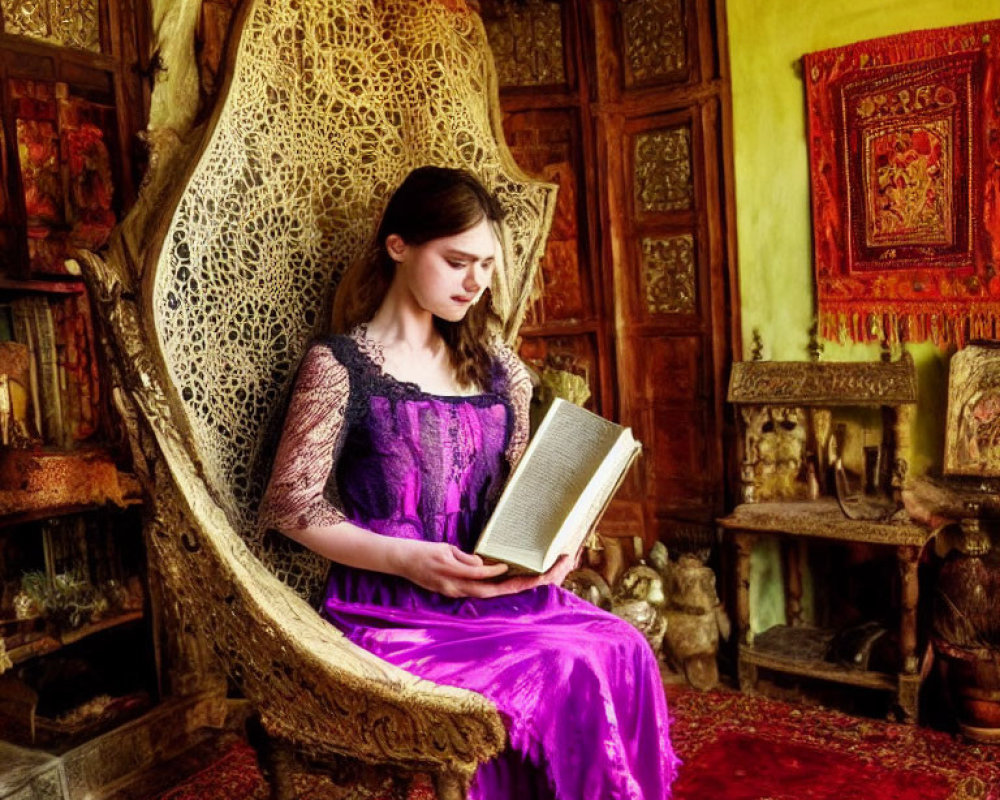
557	572
556	575
446	569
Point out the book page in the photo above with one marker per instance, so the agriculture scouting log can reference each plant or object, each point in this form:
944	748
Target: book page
559	464
596	498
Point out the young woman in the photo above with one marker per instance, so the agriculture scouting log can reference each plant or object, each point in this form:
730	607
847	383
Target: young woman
399	436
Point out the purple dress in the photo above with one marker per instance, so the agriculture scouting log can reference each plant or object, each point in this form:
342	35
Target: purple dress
579	689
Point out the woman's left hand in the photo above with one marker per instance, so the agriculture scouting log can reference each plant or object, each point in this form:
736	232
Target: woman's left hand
556	575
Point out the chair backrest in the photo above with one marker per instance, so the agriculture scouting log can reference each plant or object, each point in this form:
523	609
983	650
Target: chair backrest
330	103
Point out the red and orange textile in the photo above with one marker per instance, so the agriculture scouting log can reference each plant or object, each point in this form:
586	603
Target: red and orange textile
904	152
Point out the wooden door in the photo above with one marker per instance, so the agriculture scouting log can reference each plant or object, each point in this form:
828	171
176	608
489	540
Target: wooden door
626	106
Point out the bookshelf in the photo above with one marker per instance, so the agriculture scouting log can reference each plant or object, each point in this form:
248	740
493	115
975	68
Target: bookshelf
77	648
74	604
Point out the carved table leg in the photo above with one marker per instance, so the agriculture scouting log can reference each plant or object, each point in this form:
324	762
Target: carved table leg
908	558
747	676
793	554
908	698
744	548
908	695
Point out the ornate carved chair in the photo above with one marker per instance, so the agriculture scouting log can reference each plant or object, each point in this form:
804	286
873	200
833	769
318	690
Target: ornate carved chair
208	295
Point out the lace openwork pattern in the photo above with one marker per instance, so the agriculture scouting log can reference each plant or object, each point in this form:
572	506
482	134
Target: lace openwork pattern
331	103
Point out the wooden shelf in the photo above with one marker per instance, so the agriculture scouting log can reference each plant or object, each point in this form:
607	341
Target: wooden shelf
42	484
822	518
11	518
815	668
101	625
62	286
50	644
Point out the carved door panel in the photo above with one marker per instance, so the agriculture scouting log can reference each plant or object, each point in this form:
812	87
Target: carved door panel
562	329
659	131
544	93
624	105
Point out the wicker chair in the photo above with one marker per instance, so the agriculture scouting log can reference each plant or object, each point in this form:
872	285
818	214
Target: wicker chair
211	290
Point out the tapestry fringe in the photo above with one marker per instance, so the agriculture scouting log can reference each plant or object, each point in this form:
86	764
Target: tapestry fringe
945	329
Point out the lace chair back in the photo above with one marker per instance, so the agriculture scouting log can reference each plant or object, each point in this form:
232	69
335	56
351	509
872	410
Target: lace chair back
330	105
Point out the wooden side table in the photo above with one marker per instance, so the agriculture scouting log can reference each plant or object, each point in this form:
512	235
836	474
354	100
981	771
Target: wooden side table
796	523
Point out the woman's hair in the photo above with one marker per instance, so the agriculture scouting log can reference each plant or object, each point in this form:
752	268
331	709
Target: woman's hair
432	202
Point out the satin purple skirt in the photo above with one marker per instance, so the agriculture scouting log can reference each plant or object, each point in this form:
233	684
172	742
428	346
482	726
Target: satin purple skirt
578	689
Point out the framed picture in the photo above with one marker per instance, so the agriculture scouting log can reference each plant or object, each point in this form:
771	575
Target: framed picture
972	440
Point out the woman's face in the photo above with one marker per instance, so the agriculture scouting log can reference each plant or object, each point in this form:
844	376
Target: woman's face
446	276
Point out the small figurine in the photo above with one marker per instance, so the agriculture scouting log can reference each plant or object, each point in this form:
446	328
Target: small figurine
695	618
25	606
589	585
638	599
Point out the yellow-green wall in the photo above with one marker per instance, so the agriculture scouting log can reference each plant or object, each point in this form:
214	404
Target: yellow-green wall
767	38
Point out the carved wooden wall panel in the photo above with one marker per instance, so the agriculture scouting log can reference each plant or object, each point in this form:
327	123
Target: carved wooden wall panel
546	144
662	171
671	283
575	354
669	275
674	368
635	284
654	36
536	46
678	480
66	23
527	41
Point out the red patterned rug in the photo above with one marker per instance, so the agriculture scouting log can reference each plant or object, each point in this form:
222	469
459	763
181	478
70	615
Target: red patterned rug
235	774
734	747
751	748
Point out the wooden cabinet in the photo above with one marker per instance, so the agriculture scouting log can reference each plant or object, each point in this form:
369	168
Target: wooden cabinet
805	650
810	430
71	102
626	107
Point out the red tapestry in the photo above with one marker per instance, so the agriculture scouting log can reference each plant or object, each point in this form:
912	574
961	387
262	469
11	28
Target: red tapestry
904	154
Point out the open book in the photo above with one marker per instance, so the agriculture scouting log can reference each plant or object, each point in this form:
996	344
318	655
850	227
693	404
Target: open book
564	482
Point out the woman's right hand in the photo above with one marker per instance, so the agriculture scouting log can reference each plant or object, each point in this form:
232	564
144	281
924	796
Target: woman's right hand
448	570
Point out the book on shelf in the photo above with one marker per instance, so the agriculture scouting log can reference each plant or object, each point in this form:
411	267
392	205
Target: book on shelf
23	333
558	492
64	379
48	369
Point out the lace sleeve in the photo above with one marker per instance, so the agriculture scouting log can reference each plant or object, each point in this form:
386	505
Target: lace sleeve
310	443
519	388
